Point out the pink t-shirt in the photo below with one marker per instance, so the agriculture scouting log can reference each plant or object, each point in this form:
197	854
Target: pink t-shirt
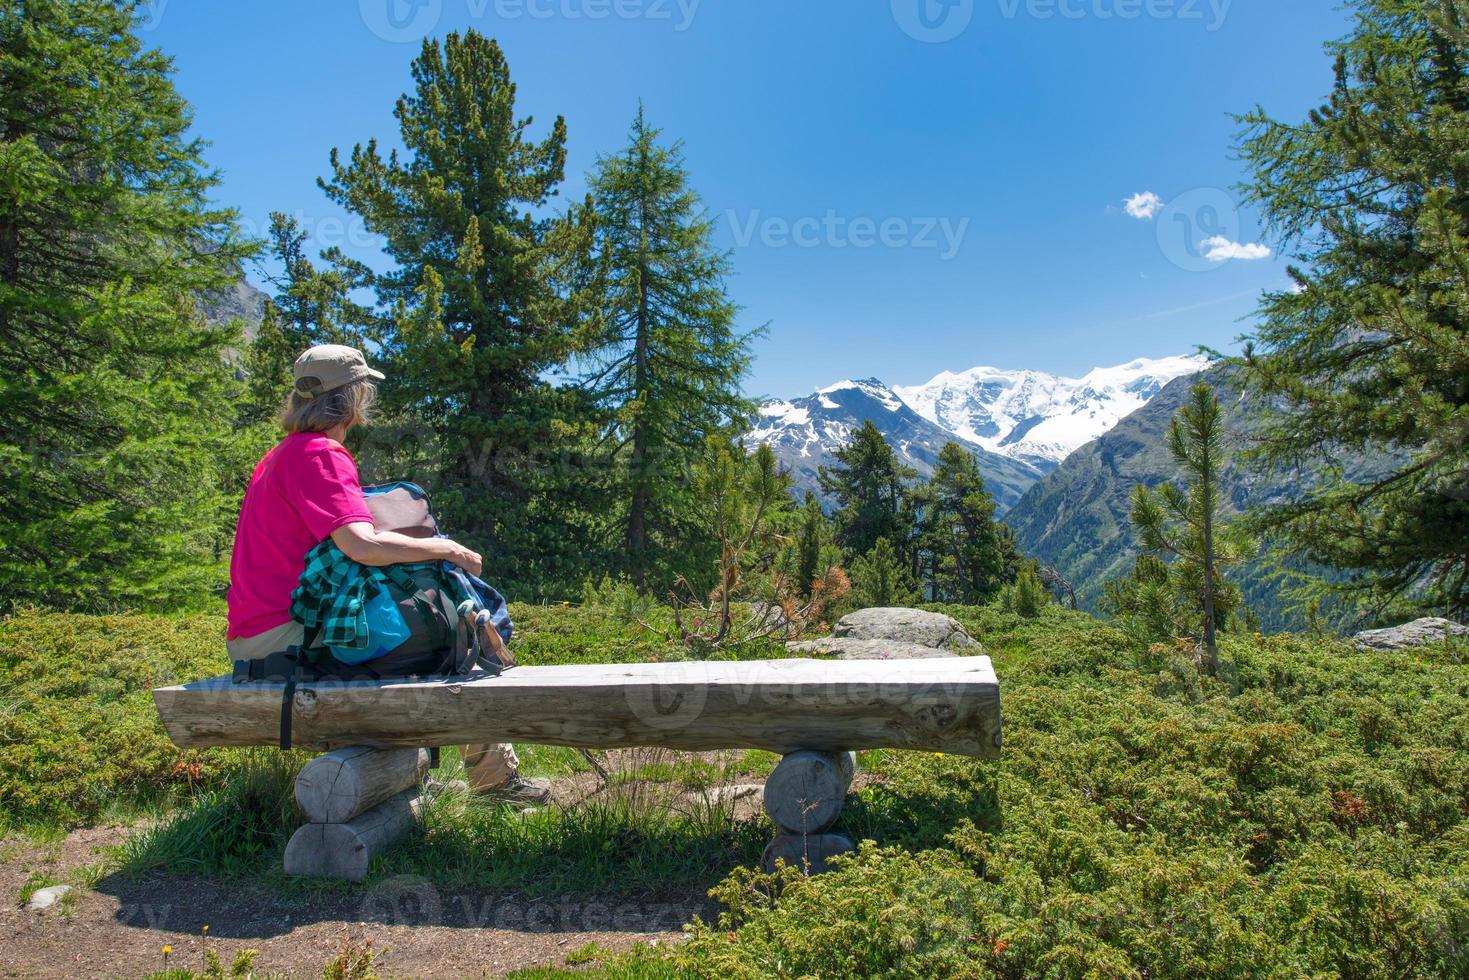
303	490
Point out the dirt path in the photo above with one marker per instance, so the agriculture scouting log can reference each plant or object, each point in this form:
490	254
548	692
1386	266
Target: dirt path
118	929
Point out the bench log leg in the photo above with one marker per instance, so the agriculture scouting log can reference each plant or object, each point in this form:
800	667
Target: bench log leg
346	850
803	798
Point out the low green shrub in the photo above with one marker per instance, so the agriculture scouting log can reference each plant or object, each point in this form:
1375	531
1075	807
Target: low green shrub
1306	813
79	737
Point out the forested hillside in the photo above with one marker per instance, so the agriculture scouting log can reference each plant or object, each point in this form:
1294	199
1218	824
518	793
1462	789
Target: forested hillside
1077	519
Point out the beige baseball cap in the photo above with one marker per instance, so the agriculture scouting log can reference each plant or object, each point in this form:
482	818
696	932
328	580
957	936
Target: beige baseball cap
327	367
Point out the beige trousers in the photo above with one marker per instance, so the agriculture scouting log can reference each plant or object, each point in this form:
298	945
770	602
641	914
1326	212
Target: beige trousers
487	765
262	645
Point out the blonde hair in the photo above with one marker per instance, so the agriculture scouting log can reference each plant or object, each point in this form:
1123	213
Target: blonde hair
350	405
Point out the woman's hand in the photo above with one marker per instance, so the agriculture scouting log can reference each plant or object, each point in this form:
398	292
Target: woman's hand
468	560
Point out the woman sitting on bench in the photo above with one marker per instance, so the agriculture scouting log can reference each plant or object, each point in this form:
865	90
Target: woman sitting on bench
306	490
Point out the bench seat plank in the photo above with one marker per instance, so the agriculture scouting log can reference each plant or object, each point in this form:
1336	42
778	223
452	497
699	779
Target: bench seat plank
946	705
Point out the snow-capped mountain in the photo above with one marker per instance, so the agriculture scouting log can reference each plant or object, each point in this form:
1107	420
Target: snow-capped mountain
806	431
1038	417
1019	424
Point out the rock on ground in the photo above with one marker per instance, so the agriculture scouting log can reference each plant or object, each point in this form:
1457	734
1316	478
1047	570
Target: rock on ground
906	626
44	898
1419	633
840	648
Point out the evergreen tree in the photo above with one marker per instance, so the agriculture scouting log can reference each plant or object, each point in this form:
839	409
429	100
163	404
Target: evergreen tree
311	306
810	539
870	490
741	502
1027	596
664	360
115	394
476	310
965	551
1369	350
881	578
1145	602
1185	524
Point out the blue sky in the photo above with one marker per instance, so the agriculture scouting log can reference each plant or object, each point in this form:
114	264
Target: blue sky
907	186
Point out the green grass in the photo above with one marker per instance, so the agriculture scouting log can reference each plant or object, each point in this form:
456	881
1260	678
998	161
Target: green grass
1305	814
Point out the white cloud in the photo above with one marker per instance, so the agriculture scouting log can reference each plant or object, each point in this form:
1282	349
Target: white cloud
1221	249
1143	206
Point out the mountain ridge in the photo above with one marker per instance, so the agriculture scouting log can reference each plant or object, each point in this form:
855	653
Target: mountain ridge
806	432
1020	425
1038	416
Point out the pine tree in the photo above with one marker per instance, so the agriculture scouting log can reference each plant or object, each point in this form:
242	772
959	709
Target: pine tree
966	552
1027	596
311	306
811	537
870	490
664	359
1144	602
115	396
881	578
1185	525
741	502
1368	351
475	311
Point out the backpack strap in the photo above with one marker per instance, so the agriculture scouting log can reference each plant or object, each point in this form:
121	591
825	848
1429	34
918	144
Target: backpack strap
291	666
435	611
284	665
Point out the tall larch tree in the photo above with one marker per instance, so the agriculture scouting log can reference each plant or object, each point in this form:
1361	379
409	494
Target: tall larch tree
663	358
115	394
1367	352
475	310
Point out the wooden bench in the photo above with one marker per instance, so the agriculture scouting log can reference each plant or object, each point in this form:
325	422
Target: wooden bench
813	712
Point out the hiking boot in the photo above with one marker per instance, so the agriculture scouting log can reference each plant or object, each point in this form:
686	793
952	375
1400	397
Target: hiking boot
521	792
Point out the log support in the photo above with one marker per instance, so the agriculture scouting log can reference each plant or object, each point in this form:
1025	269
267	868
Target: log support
804	797
358	802
337	786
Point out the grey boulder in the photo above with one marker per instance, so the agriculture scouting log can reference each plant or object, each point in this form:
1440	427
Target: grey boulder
1419	633
906	626
845	648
